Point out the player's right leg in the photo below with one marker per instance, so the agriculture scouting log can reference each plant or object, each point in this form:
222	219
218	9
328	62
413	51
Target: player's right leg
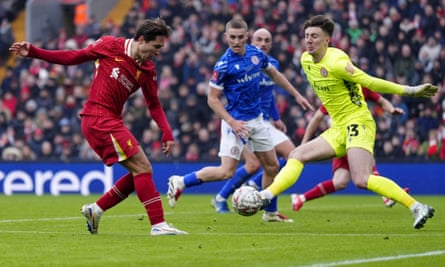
177	184
317	149
219	202
118	192
92	213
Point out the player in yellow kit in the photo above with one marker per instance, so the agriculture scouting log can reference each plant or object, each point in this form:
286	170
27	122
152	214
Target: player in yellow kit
337	82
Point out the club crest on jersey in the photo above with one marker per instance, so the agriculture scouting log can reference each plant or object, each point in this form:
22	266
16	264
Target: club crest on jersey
324	72
255	60
235	151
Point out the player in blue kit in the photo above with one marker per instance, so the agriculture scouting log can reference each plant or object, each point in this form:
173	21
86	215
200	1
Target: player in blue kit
262	39
237	75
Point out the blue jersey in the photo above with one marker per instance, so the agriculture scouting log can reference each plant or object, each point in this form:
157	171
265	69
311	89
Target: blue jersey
267	87
239	78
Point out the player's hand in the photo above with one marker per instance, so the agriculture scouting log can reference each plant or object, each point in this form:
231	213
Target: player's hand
20	48
167	147
240	128
397	111
304	103
423	90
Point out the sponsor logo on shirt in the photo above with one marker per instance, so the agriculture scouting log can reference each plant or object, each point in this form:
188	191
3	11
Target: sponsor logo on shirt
266	82
121	78
248	78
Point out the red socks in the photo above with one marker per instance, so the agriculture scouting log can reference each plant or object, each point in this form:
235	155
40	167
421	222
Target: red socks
120	191
320	190
145	189
149	197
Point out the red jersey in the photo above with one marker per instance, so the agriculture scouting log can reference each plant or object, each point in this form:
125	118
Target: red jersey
116	77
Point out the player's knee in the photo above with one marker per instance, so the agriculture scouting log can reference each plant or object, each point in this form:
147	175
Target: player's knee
225	174
341	185
271	169
252	166
295	154
361	183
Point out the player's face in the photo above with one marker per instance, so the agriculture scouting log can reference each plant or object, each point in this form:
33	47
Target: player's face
147	50
262	40
237	38
316	41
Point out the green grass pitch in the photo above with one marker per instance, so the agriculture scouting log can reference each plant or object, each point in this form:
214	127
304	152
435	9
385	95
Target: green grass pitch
338	230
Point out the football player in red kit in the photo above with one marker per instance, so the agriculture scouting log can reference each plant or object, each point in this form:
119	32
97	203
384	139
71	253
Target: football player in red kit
122	67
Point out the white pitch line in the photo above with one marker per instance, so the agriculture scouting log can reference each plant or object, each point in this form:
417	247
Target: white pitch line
296	233
292	234
63	218
378	259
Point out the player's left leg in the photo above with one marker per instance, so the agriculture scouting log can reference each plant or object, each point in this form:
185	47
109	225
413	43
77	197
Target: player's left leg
148	195
361	162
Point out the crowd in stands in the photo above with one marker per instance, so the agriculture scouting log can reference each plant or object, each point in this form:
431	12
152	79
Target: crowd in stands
398	40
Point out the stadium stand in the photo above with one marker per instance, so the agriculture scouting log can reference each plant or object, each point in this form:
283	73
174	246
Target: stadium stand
385	38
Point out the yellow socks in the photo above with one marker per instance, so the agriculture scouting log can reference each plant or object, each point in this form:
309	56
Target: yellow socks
386	187
288	175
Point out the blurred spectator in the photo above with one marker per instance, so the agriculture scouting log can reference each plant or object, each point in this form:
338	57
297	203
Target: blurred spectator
12	153
410	144
431	147
192	153
428	53
403	65
47	152
384	37
37	140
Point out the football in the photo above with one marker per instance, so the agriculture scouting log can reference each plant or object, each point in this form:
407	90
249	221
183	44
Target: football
246	201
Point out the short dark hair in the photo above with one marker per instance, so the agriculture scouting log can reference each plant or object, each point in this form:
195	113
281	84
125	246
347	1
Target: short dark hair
151	28
236	24
321	21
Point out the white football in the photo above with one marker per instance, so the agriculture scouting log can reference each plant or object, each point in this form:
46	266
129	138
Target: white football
246	200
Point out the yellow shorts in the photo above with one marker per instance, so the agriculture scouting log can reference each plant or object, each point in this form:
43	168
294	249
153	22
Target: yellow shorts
358	133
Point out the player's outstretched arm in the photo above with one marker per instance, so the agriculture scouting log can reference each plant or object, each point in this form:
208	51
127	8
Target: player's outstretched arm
423	90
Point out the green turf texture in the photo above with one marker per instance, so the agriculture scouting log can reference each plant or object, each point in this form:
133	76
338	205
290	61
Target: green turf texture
338	230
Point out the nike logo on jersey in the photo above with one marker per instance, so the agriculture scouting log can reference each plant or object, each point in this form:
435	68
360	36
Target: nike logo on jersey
118	59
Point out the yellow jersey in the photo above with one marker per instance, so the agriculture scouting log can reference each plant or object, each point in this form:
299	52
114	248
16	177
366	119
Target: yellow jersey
337	82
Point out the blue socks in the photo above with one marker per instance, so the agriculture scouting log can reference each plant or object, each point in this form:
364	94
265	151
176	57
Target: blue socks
233	183
191	180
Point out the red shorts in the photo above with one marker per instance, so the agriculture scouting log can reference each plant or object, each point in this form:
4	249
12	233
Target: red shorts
343	163
109	138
